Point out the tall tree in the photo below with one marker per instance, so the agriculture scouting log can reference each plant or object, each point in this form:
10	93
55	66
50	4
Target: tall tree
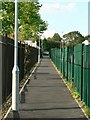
29	19
7	18
56	37
73	37
49	43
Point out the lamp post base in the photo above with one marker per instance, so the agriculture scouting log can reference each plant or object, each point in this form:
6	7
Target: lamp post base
15	88
38	58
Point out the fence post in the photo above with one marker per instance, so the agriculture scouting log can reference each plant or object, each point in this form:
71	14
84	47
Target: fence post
73	63
82	74
67	61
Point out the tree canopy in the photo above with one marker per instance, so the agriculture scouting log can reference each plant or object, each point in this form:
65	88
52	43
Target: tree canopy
73	38
87	38
30	23
51	42
56	37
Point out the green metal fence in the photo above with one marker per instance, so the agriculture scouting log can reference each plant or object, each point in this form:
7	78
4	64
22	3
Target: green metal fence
78	67
86	75
74	64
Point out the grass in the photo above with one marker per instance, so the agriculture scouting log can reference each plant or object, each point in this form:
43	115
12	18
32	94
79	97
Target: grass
87	111
75	95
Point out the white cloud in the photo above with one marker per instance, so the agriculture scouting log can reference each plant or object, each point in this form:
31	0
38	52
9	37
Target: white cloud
62	1
48	33
58	7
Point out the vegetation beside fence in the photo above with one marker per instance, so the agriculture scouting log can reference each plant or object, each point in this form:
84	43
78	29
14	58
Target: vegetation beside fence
74	63
27	58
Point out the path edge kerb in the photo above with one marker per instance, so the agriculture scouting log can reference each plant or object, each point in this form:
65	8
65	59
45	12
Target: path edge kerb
69	89
32	71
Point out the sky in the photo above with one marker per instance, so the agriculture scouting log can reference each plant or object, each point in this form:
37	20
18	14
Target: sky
64	16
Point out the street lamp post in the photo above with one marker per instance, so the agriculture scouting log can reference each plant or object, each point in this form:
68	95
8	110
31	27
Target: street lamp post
15	71
39	50
42	46
39	45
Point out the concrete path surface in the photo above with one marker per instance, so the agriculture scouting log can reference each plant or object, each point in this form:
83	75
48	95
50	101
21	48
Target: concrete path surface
46	96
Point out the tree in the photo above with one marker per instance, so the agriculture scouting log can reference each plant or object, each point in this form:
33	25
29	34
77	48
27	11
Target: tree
56	37
49	44
52	42
73	38
29	19
45	45
7	18
87	37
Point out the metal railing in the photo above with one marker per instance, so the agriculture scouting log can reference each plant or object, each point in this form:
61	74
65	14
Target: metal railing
74	64
27	58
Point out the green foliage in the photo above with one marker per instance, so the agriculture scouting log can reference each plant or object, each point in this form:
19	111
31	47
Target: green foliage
73	38
30	58
56	37
87	38
76	95
49	44
7	18
87	111
29	19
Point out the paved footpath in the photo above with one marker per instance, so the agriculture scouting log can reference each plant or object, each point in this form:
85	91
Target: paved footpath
46	96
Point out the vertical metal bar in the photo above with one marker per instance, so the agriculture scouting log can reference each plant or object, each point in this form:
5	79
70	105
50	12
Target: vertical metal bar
15	72
39	50
39	47
1	79
16	33
82	74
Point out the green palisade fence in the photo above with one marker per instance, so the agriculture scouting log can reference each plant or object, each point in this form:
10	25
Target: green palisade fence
78	67
74	64
66	66
70	62
86	75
